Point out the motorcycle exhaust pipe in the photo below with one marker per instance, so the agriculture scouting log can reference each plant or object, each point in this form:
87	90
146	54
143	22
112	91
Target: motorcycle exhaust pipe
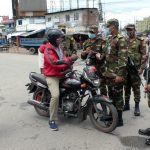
38	104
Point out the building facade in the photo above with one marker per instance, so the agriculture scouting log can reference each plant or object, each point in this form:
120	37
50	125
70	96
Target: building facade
143	25
30	14
29	8
30	23
75	20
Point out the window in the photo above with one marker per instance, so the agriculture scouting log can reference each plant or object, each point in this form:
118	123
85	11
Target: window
3	30
49	19
67	17
76	16
19	22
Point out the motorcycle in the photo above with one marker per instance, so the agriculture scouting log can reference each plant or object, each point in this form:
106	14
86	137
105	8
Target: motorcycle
79	97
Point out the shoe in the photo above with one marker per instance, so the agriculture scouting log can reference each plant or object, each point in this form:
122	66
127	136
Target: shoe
144	132
126	106
147	142
137	109
120	123
53	126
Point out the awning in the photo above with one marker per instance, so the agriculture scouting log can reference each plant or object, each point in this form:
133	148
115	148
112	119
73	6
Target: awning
32	32
16	33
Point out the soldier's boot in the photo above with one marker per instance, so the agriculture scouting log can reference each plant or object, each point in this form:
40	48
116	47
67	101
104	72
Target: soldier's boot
147	141
144	132
137	109
120	120
126	106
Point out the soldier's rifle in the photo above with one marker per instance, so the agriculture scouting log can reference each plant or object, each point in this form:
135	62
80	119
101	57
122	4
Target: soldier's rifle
133	68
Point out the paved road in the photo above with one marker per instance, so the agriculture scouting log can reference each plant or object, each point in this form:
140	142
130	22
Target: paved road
22	129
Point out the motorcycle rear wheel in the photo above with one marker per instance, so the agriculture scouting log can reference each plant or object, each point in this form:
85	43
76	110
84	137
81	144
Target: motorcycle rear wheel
104	126
38	97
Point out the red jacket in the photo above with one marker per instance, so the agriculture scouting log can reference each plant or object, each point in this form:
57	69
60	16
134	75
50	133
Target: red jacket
50	68
42	48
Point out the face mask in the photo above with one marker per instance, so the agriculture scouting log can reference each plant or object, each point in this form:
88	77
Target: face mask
108	31
92	35
131	34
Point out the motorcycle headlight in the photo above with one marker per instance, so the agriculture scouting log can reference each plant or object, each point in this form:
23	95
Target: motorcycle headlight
96	82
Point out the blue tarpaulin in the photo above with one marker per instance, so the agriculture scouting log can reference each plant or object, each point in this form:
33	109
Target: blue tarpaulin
3	41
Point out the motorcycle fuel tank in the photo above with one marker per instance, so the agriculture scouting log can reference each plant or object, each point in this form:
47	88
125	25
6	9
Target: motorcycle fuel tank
71	83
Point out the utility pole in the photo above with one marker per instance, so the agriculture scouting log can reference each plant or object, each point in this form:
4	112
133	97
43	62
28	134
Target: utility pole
70	3
52	5
77	4
87	3
93	3
100	11
61	5
15	11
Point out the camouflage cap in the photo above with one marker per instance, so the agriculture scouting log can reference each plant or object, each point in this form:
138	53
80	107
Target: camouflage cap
93	28
114	22
130	26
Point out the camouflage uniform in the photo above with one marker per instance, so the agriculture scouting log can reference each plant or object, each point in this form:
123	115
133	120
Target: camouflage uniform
137	53
146	75
147	89
69	45
97	45
116	60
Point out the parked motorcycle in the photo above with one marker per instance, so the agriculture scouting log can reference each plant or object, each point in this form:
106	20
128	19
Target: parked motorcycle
79	97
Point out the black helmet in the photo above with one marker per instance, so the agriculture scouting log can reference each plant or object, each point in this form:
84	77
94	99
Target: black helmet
53	35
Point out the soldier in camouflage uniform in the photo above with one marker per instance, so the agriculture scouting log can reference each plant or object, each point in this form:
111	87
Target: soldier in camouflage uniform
116	61
137	53
98	45
147	90
69	45
146	132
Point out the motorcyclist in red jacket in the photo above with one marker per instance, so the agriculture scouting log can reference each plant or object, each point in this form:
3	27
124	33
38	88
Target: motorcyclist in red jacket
55	64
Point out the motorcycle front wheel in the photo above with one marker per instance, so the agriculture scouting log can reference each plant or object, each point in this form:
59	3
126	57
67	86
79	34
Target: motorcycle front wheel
103	116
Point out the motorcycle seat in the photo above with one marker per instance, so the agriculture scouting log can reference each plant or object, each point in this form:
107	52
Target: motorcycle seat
38	77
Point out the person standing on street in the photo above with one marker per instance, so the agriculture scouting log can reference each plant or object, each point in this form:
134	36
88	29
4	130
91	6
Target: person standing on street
69	44
96	45
137	53
146	74
116	61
